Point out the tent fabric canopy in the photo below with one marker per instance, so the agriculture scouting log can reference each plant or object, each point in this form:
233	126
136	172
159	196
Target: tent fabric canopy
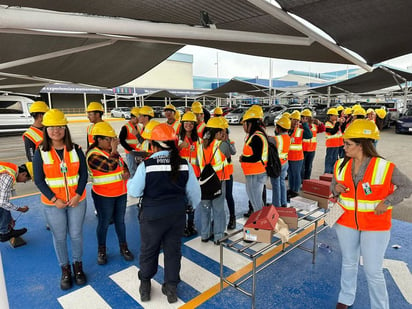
379	78
239	86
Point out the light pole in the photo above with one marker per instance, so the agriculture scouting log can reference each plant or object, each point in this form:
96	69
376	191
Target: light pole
217	68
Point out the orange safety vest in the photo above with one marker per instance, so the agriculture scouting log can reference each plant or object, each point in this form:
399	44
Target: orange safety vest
62	176
110	184
215	157
259	167
200	128
283	144
90	138
334	140
359	203
190	154
9	168
295	148
131	139
35	135
229	167
311	143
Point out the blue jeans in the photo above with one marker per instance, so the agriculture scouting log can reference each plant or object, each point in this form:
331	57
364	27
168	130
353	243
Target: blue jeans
279	192
108	208
294	175
254	189
5	218
372	246
67	220
307	164
131	164
229	196
332	154
213	210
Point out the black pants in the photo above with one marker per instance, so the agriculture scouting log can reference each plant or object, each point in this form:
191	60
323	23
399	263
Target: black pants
166	232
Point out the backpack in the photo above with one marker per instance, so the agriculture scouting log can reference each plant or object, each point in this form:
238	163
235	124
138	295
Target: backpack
274	167
210	184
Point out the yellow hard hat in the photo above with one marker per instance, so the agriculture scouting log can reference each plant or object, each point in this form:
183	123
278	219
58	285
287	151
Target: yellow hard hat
103	129
189	116
356	106
147	132
216	122
370	110
29	166
197	109
146	110
226	123
306	113
95	107
252	113
362	128
295	115
284	122
197	103
380	112
347	111
162	132
170	107
360	111
135	111
53	118
177	115
339	108
286	114
258	109
333	111
218	111
38	107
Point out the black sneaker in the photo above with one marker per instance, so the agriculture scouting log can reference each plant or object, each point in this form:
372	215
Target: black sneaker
144	290
12	233
247	215
170	291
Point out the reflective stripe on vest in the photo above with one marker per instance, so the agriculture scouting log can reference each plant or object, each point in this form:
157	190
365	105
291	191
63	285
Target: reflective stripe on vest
9	168
90	138
218	161
35	135
190	154
165	168
131	139
295	148
283	144
334	140
200	128
62	183
111	183
309	144
259	167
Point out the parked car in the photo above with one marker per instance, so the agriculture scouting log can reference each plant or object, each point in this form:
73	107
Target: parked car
404	123
235	116
292	108
121	112
270	112
158	111
14	114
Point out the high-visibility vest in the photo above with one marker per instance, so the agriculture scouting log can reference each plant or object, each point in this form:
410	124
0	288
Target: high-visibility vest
90	138
9	168
359	203
259	167
131	139
145	146
109	184
311	143
229	167
62	176
200	128
334	140
215	157
283	144
35	135
295	148
175	125
190	154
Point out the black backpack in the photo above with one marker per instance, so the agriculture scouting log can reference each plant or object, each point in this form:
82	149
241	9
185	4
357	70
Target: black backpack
210	184
274	166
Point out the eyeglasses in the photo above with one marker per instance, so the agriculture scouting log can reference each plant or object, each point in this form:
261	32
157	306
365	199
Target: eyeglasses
57	128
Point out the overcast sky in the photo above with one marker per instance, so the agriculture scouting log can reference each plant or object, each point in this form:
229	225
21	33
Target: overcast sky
232	64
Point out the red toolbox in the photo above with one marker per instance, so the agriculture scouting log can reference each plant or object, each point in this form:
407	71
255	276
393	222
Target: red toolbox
316	187
326	177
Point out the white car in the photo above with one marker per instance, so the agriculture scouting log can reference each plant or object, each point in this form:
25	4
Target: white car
14	114
121	112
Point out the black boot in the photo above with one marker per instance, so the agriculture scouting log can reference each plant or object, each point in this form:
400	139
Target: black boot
125	252
79	276
66	279
12	233
232	223
247	215
101	255
170	291
145	289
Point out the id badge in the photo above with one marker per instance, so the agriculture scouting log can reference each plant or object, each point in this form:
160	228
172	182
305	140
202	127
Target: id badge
366	188
63	167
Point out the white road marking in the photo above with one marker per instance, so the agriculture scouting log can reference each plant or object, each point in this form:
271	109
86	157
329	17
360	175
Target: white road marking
85	297
129	281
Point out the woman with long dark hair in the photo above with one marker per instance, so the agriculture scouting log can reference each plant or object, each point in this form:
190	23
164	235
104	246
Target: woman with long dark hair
165	182
109	176
366	187
60	173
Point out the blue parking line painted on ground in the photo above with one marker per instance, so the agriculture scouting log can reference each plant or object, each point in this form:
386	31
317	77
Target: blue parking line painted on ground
32	273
